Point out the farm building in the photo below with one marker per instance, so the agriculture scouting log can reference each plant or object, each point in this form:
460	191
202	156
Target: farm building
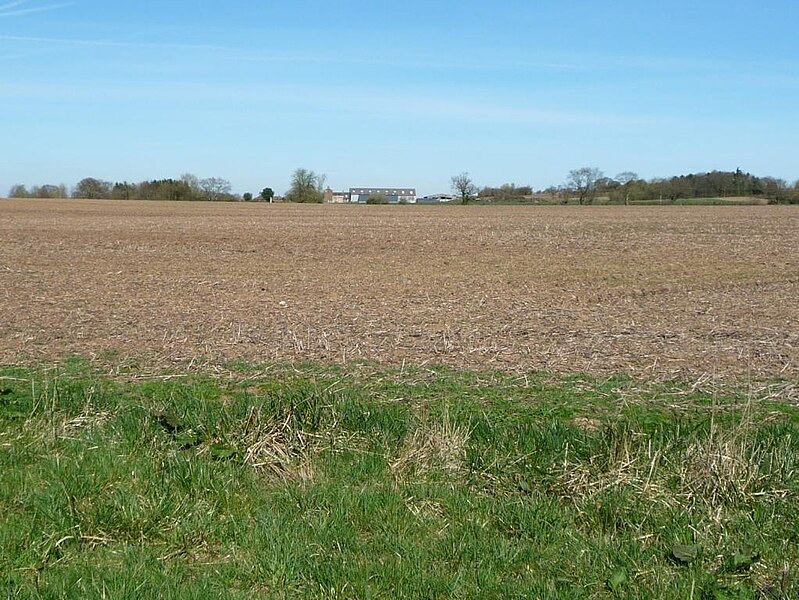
394	194
336	197
435	199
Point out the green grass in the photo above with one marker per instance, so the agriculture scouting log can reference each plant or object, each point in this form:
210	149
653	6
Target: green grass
703	201
311	481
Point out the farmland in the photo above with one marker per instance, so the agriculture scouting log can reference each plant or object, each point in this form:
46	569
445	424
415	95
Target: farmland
280	401
658	292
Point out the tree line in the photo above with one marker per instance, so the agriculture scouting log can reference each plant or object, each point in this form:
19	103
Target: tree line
584	185
589	183
188	187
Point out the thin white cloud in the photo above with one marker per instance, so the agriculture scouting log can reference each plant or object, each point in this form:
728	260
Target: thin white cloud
239	54
316	99
9	5
107	43
475	110
233	53
8	10
564	63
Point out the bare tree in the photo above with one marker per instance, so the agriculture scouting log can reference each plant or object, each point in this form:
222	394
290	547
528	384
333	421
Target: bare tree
584	183
625	179
215	188
306	186
463	186
191	180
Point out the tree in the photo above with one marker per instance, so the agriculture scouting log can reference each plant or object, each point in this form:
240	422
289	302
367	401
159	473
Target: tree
164	189
92	188
48	190
215	188
625	179
267	194
584	182
123	191
18	191
247	197
507	191
192	181
775	188
377	199
306	186
464	187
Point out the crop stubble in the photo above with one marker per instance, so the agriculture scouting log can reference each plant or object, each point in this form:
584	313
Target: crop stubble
653	291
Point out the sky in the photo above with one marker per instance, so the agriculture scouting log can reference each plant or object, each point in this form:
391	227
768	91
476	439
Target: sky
378	93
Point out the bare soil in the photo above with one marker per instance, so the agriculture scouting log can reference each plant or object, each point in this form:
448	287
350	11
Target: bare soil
652	291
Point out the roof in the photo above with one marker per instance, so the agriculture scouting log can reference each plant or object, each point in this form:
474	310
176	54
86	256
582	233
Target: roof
386	191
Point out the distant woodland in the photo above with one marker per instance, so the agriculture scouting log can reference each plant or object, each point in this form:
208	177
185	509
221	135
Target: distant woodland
187	188
586	185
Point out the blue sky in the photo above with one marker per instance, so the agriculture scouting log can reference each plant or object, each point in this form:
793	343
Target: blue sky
395	93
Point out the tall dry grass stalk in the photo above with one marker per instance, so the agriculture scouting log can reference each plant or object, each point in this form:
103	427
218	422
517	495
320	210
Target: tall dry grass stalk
434	446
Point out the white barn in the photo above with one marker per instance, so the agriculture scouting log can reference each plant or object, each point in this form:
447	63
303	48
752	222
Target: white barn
395	195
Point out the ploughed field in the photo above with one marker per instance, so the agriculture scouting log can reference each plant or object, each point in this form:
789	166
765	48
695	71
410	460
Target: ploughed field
657	292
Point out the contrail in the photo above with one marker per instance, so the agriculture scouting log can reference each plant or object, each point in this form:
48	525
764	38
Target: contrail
4	12
12	4
8	5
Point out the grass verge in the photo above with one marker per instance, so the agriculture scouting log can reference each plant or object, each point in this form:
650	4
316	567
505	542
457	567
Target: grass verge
318	482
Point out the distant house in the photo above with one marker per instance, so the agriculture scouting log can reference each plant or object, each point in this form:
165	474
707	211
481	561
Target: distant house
395	195
435	199
336	197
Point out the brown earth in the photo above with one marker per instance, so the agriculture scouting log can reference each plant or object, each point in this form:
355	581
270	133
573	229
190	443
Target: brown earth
652	291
